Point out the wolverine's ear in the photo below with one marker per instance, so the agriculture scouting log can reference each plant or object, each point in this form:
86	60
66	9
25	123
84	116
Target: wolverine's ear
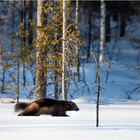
71	103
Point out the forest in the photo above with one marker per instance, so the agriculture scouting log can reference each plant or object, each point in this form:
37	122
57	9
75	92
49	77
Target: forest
84	51
23	51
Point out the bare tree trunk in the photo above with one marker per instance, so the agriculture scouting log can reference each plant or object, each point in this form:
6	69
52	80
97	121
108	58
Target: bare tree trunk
107	29
3	79
40	80
89	34
56	87
122	26
24	39
115	16
83	66
30	17
98	95
77	49
17	90
56	61
13	20
3	72
97	80
64	94
102	32
56	81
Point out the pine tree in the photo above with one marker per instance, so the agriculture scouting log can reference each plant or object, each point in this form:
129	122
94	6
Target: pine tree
48	46
40	80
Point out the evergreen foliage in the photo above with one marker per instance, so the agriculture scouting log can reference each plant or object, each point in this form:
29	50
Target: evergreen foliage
50	44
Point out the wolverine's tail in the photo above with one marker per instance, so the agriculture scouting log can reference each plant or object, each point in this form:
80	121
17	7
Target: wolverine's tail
21	106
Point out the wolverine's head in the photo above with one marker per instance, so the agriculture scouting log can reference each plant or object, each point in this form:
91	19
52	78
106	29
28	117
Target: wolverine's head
73	106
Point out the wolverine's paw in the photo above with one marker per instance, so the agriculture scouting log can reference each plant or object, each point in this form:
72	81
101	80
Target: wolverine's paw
64	115
20	114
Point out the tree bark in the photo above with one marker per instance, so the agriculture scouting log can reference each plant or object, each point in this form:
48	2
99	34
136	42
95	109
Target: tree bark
122	25
23	20
115	16
13	20
98	95
3	80
30	17
77	49
56	82
40	81
56	50
89	34
107	29
64	94
17	90
102	32
3	71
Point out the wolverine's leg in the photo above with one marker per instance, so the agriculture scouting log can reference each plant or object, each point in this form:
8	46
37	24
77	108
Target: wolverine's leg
64	114
29	113
30	110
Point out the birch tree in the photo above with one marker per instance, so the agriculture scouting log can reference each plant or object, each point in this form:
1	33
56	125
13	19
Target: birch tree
23	20
77	49
102	32
30	17
13	20
89	32
64	94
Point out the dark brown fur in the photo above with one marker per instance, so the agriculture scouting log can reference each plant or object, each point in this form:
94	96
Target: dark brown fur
46	106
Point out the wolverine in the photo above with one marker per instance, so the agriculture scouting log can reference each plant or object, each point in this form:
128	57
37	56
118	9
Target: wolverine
46	106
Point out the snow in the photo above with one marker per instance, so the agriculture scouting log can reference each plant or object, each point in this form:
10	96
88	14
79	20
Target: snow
116	122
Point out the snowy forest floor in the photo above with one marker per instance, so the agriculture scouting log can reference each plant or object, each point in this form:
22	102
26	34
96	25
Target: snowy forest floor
119	122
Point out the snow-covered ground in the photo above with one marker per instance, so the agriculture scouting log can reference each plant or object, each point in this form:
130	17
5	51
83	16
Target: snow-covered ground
121	122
